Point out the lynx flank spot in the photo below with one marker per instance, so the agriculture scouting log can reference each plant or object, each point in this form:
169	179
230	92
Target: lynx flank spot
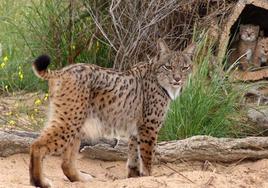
87	99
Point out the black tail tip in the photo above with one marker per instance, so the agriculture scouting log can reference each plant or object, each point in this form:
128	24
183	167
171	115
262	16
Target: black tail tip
41	63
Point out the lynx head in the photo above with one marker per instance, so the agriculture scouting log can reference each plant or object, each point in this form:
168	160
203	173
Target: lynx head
172	68
263	46
249	32
262	50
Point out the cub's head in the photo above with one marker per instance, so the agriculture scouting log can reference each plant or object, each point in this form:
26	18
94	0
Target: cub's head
262	48
172	68
249	32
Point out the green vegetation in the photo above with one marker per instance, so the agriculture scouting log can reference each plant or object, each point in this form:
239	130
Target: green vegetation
31	28
15	69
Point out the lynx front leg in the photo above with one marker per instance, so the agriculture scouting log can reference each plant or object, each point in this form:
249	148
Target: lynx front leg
249	54
37	153
146	146
133	157
69	163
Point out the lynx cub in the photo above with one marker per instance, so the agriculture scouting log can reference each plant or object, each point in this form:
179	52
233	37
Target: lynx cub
245	46
109	102
261	53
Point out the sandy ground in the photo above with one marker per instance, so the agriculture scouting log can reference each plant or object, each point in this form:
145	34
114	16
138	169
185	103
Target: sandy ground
14	174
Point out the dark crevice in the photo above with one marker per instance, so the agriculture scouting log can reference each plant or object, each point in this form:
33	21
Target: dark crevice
251	15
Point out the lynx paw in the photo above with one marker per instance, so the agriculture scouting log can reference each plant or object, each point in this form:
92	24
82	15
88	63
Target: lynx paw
47	183
84	177
133	172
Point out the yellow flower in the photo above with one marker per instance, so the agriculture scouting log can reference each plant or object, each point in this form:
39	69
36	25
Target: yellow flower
36	110
11	122
2	65
46	97
6	87
9	113
5	59
98	46
37	102
21	75
73	47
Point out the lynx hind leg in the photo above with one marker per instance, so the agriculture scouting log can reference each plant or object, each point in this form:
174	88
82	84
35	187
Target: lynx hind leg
133	157
69	162
52	140
37	153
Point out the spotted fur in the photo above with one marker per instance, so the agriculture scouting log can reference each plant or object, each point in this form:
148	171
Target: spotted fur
261	53
107	102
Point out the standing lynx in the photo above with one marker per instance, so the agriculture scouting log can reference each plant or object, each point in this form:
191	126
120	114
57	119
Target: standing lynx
108	102
245	46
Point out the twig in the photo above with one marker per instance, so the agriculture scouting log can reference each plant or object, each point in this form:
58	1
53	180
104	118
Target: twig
177	172
212	177
136	25
88	45
100	28
236	163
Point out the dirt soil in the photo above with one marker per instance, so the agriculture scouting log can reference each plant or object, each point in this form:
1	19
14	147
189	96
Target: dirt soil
14	174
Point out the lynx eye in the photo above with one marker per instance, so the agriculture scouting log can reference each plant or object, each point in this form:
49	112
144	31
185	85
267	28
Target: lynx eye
167	67
185	68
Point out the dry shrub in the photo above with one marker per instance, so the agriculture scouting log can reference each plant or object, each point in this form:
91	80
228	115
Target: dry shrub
132	27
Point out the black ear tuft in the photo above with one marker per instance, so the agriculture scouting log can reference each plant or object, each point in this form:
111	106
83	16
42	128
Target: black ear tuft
41	63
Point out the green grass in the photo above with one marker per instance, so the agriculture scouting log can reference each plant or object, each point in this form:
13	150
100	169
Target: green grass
209	104
15	66
52	32
33	27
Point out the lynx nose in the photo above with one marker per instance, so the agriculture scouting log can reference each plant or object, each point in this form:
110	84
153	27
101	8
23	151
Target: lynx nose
177	78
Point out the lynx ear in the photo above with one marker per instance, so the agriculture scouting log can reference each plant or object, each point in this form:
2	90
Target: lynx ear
241	28
257	27
189	51
162	46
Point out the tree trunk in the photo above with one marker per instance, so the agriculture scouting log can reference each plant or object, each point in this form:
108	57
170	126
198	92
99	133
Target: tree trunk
199	148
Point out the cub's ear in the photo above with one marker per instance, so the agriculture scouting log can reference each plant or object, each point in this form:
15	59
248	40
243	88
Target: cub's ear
189	51
241	27
257	27
162	46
